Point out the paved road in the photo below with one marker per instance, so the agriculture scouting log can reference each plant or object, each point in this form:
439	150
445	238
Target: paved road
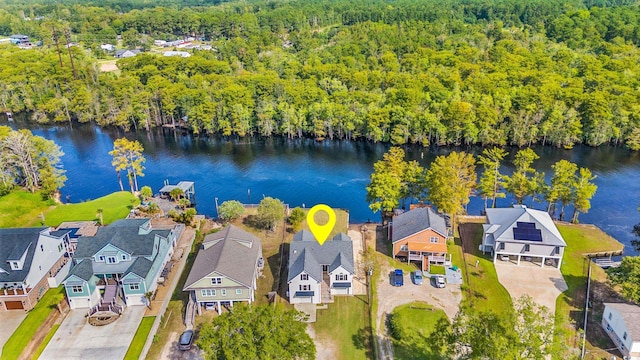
76	339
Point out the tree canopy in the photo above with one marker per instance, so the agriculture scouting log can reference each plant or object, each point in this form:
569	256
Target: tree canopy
230	210
270	211
627	276
452	72
256	332
29	161
450	180
127	156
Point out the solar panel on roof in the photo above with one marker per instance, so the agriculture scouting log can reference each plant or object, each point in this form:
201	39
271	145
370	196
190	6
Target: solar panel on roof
527	234
526	225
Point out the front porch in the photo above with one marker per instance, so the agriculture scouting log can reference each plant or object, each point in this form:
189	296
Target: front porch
109	309
428	258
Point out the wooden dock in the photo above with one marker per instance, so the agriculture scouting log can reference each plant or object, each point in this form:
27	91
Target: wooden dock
607	263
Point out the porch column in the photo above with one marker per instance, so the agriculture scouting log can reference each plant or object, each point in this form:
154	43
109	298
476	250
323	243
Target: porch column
543	259
219	308
519	259
559	262
495	255
199	308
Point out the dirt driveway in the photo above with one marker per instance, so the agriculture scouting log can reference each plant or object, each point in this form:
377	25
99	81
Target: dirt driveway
544	285
390	297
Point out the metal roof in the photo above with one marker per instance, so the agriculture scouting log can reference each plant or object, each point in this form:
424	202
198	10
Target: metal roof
508	218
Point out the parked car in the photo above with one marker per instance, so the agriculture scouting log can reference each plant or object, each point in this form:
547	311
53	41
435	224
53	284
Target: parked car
417	277
398	277
186	339
440	282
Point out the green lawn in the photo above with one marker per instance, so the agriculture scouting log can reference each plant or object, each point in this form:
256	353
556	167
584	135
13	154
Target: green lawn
21	208
346	323
485	293
114	206
140	338
46	340
342	221
27	329
437	270
580	239
411	326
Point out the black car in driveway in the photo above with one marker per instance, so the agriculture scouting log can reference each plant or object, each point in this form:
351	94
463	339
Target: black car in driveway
186	339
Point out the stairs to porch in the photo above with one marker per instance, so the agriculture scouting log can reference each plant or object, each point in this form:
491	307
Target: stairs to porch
325	290
109	309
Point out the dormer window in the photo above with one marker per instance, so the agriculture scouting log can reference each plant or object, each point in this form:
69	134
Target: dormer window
41	247
14	265
101	258
216	281
124	257
304	276
111	260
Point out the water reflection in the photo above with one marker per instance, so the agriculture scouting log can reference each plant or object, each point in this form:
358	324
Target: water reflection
303	171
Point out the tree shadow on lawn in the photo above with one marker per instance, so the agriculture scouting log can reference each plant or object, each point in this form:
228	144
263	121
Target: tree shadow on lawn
362	341
279	284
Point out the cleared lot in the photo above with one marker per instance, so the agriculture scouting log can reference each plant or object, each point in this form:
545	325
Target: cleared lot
76	339
544	285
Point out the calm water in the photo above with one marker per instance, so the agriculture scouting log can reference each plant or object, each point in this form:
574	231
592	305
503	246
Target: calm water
305	172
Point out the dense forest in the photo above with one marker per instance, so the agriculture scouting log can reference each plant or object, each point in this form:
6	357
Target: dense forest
426	72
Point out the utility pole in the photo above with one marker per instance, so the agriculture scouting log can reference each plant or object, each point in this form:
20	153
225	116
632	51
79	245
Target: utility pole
55	38
66	35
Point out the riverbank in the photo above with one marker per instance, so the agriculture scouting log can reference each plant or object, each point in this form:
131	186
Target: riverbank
23	209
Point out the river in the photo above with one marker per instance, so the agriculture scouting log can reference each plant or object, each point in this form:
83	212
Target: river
304	172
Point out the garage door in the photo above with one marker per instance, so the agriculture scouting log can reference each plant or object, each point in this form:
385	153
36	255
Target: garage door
13	305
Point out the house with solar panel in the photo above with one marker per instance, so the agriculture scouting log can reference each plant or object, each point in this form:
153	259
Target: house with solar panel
318	272
521	234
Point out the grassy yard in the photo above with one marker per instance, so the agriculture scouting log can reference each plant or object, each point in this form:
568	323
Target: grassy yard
27	329
135	348
21	208
114	206
346	323
484	291
580	239
411	326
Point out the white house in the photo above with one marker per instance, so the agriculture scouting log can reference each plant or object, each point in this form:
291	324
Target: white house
28	258
622	324
520	233
317	272
183	54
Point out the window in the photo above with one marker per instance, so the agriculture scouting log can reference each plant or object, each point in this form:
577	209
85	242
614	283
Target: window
224	292
41	247
557	250
501	246
134	286
624	336
40	267
208	292
14	264
60	248
610	316
434	239
404	247
341	277
304	276
101	258
124	257
305	287
527	247
111	260
76	289
238	291
216	281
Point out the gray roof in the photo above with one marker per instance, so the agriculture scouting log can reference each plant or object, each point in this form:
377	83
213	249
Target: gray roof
507	218
83	270
140	267
231	252
182	185
124	235
13	244
631	316
306	254
416	220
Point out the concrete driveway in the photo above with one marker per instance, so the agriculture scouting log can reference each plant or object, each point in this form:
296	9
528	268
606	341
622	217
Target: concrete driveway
76	339
10	321
544	285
